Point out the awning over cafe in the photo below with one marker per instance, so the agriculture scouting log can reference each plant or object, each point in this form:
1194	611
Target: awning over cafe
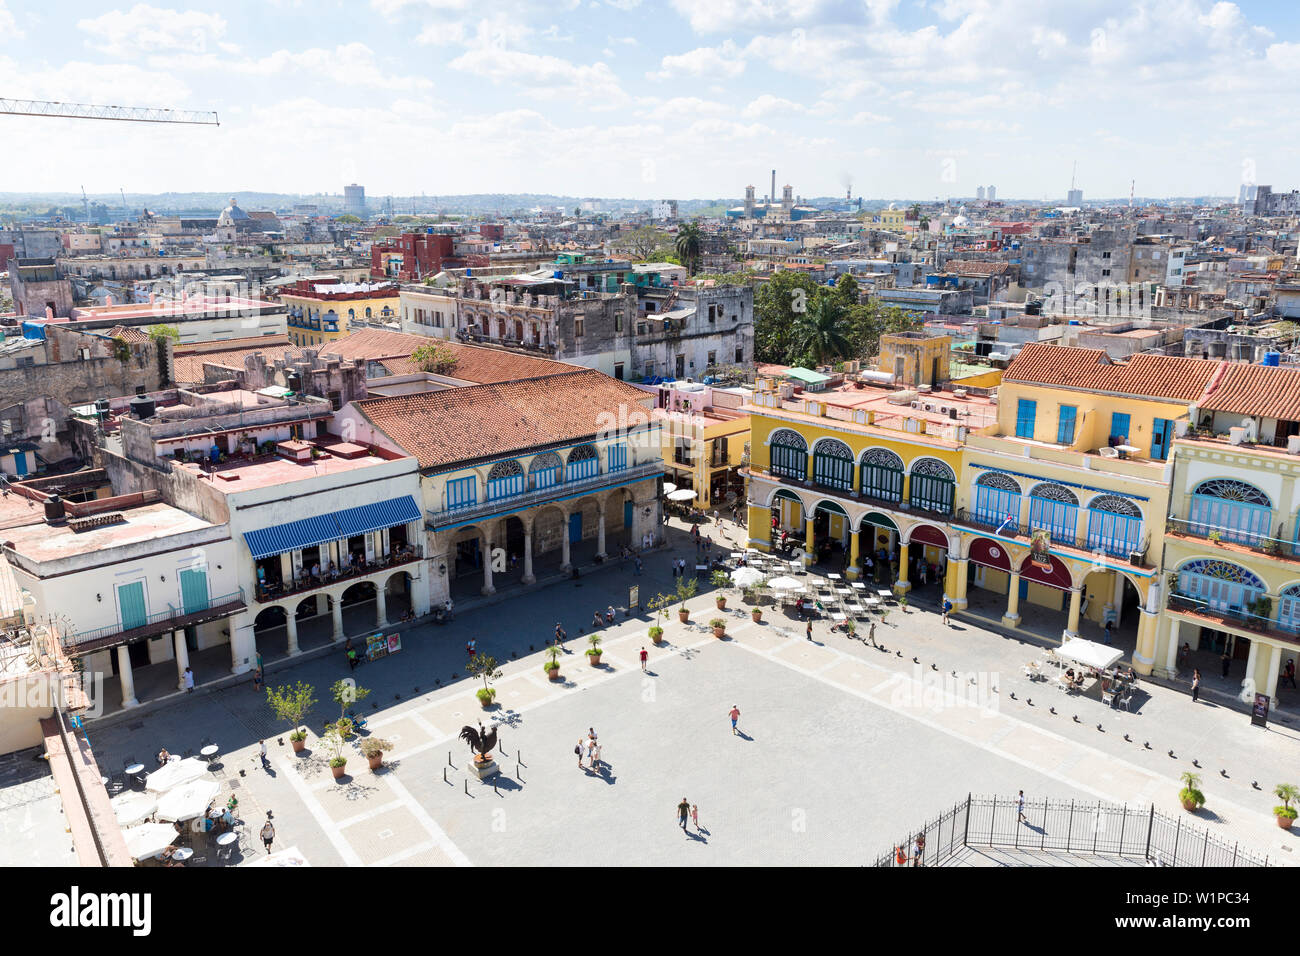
308	532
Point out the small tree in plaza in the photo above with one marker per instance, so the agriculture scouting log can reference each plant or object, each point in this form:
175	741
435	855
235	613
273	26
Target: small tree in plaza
346	693
292	703
486	667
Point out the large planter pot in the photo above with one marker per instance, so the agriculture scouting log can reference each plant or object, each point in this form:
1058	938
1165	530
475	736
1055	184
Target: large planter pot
756	614
339	771
486	702
376	761
719	632
298	745
593	660
684	615
1285	822
657	638
1189	806
553	673
722	604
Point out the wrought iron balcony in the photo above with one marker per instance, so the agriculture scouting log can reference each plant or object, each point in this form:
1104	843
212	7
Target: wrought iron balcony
172	619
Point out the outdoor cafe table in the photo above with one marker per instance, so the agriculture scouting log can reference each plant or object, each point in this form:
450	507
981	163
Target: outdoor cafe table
857	585
209	752
181	854
884	594
832	577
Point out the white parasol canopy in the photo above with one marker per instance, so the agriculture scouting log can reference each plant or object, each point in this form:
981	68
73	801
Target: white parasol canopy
149	839
187	801
784	583
669	487
746	577
1089	653
175	774
289	857
681	494
131	808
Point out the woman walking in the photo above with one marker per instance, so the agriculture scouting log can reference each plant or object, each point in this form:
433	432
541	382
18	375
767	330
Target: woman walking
1196	684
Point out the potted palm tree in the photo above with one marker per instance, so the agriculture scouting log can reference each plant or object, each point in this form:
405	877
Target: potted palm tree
720	579
552	666
293	704
1191	796
719	626
336	735
593	652
374	749
484	666
1286	814
685	591
659	604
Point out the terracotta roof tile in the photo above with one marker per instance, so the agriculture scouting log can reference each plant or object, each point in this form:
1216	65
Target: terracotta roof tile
188	360
475	363
494	420
129	333
1150	376
1257	390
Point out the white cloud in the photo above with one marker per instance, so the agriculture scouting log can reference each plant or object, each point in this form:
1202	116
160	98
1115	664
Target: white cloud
144	30
80	82
545	77
8	25
730	15
720	61
681	108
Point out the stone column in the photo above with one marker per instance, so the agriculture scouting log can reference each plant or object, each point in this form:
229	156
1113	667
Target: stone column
291	631
1145	653
1072	624
810	543
1012	617
1251	660
182	657
1269	684
487	566
855	555
336	611
1171	649
528	577
954	582
902	585
600	533
127	677
381	605
565	564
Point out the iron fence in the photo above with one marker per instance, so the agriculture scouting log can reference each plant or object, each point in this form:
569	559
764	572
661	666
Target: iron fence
1071	826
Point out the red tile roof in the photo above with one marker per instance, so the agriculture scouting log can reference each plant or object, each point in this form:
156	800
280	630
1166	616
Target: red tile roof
474	363
129	333
1149	376
189	359
1258	391
479	422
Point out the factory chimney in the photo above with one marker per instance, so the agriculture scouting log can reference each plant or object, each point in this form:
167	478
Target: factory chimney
772	195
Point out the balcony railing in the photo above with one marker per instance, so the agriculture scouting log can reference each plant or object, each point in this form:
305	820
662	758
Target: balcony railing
269	593
160	622
537	496
1259	543
1238	616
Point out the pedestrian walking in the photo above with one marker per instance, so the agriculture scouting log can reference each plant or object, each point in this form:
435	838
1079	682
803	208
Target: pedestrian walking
560	635
1110	628
257	679
871	634
1289	673
595	757
735	716
471	647
695	816
268	833
683	809
900	856
189	681
947	607
1020	808
1196	684
1227	661
578	750
645	656
261	752
636	565
808	629
591	734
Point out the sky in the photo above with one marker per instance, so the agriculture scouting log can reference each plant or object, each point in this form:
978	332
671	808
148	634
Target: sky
912	99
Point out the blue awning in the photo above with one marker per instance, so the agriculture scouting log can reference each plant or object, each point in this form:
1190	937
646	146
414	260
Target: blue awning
292	536
295	535
380	514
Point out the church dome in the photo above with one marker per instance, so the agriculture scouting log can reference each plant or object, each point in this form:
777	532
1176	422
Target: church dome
231	214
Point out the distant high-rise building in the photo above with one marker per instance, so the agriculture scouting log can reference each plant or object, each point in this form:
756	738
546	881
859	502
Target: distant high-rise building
1246	194
979	192
993	193
354	199
1074	197
663	209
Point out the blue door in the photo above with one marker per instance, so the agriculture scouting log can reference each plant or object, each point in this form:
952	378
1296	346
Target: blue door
1024	589
627	516
1161	432
20	463
575	527
194	590
131	606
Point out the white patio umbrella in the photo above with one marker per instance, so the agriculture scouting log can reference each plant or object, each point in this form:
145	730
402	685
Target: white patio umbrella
187	801
131	808
175	774
681	494
289	857
746	577
784	583
669	487
149	839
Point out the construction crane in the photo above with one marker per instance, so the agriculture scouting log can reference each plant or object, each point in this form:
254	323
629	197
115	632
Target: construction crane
130	114
85	205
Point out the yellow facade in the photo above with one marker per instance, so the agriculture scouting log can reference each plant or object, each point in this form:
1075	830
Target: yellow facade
327	320
704	449
915	358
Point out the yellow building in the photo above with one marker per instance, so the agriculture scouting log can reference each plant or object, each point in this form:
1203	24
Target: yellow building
322	312
889	218
915	358
703	443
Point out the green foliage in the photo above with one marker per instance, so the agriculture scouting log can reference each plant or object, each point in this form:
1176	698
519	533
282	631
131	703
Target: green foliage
375	745
160	332
686	589
486	694
660	604
121	349
434	357
346	693
1191	792
484	666
688	246
347	217
1286	792
720	579
335	738
292	703
821	333
641	243
553	652
656	632
718	622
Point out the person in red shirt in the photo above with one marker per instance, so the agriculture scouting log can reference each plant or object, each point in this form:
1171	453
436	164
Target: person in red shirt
735	716
644	657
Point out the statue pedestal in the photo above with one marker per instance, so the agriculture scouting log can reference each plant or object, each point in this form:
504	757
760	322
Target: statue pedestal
483	768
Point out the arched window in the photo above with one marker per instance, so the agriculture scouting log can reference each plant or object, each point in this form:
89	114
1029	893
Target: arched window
1236	510
882	475
1288	608
352	314
997	501
789	454
505	480
1219	585
933	486
1114	525
833	464
367	312
1055	509
546	470
583	463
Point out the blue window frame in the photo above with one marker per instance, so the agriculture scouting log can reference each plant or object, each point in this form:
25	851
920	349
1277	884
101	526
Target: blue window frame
1162	432
1026	411
1054	508
462	493
617	458
1120	535
1119	425
1065	425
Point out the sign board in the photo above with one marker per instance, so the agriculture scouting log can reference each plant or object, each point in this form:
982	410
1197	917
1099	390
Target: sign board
376	647
634	596
1040	549
1259	712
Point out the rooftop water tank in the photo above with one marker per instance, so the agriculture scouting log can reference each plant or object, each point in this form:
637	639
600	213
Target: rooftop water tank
142	407
54	510
1272	359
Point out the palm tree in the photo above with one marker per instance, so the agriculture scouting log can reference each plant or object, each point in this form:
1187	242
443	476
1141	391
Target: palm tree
688	246
822	332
